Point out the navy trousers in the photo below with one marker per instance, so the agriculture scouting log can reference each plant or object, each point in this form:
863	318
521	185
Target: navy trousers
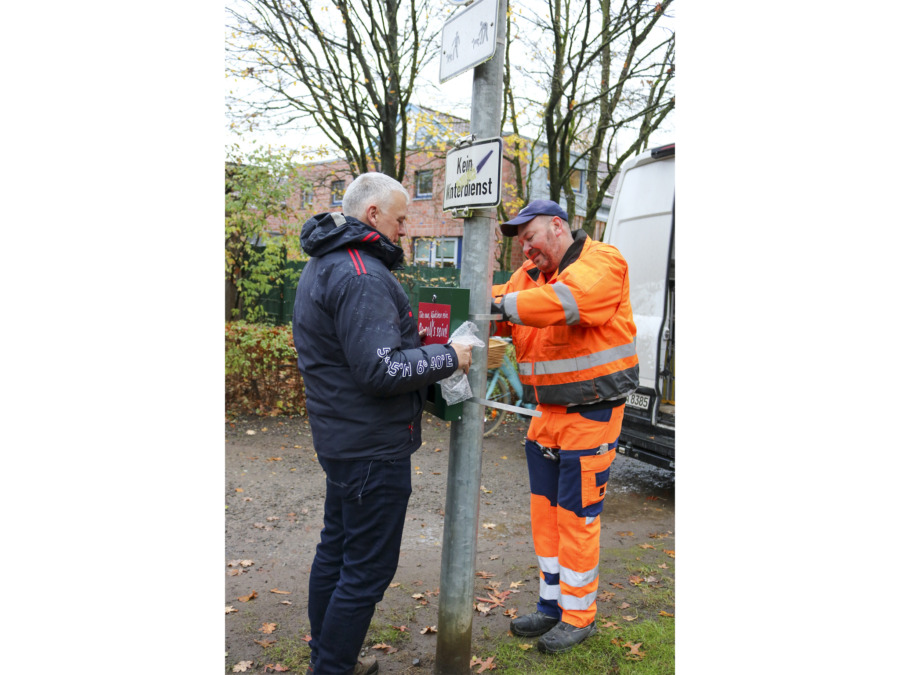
365	508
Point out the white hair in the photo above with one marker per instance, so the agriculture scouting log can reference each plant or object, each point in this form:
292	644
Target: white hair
367	189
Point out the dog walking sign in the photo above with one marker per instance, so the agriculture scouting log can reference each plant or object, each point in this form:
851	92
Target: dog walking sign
473	175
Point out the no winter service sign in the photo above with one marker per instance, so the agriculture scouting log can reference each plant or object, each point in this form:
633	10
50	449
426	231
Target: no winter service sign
473	175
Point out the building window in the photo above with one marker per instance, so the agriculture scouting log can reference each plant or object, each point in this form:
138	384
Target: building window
424	181
308	195
576	180
436	252
337	192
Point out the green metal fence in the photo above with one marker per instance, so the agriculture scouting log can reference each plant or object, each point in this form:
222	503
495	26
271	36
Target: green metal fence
279	302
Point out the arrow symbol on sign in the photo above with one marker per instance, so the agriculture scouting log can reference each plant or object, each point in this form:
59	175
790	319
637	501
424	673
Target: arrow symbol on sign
483	161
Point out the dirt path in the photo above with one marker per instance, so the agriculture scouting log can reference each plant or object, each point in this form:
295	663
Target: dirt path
275	489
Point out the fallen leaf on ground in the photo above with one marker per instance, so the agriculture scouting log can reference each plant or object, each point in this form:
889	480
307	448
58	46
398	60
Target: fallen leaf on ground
663	566
428	629
516	584
247	598
610	624
489	526
238	489
635	650
617	585
512	613
274	459
525	647
663	612
635	579
485	665
241	667
494	557
271	518
629	618
651	580
307	637
275	590
402	629
234	573
250	432
268	628
265	643
481	574
624	605
394	585
418	596
625	534
670	553
276	668
658	535
645	546
606	596
386	647
286	602
230	610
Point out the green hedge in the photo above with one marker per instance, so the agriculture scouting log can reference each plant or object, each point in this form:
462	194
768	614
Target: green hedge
261	375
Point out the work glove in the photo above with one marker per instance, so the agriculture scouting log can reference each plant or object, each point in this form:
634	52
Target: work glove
497	309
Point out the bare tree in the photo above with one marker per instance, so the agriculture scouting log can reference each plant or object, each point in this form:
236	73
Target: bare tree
347	68
604	69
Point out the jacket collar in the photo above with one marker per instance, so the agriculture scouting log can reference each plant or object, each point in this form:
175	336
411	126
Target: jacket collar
574	251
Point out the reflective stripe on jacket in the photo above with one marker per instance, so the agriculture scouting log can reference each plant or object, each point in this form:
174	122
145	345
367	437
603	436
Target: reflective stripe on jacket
574	334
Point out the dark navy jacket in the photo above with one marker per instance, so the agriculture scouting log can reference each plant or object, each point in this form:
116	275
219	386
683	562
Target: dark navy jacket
363	365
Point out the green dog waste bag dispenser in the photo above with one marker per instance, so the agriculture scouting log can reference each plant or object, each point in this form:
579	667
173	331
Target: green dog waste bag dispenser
441	311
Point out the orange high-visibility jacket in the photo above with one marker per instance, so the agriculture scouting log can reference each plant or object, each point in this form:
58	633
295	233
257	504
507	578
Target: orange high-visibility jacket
574	334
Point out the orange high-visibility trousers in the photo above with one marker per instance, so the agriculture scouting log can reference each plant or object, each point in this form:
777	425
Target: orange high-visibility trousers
567	498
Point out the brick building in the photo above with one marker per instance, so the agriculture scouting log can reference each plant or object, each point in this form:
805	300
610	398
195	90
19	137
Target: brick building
434	237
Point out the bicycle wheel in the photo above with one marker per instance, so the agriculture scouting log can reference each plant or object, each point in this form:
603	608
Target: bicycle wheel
493	417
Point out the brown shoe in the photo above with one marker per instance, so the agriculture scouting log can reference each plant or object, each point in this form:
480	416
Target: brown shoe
366	666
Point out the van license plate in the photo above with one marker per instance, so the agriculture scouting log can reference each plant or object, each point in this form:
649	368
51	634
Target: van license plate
638	401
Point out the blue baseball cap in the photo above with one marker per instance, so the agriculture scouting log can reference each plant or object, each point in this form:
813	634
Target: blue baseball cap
539	207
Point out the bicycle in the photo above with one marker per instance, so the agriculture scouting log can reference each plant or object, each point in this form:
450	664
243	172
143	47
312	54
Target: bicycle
503	381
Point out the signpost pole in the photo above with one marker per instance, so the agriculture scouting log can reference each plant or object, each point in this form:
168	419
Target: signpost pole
457	590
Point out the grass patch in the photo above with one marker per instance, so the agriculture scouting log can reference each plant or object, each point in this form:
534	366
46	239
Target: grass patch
290	652
645	648
382	632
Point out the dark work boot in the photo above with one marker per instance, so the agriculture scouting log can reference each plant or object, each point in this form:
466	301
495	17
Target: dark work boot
536	623
563	637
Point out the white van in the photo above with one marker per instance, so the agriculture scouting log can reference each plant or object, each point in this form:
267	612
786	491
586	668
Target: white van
642	226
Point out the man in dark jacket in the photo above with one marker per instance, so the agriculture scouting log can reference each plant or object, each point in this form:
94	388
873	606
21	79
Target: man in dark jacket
366	374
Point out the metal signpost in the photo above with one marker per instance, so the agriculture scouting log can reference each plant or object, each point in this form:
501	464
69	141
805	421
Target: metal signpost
454	637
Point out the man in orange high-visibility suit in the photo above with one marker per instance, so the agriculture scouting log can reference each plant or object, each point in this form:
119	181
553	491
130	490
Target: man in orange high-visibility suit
569	314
